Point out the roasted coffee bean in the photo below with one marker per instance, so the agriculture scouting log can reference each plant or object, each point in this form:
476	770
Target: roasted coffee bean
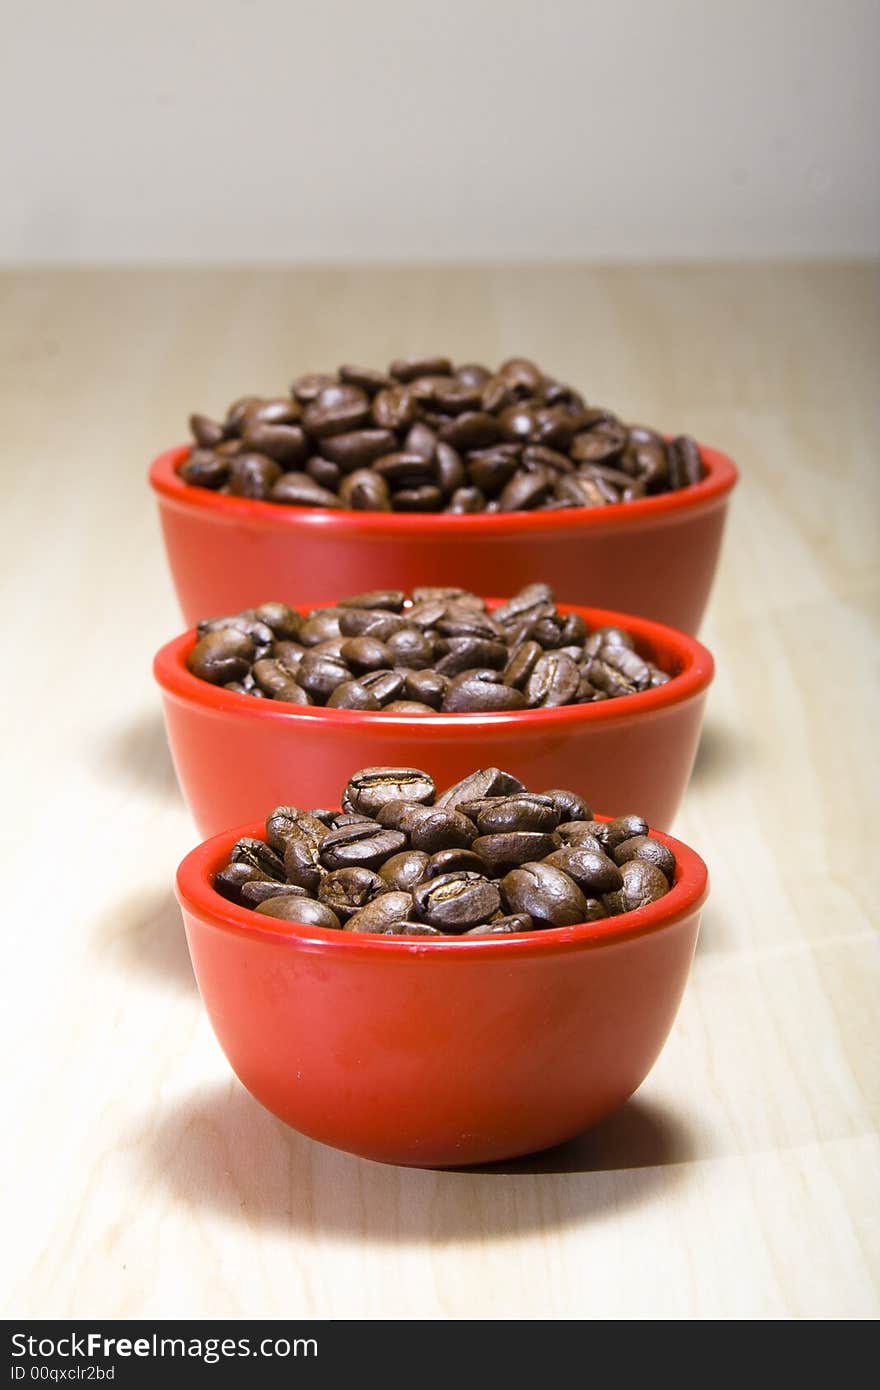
530	602
521	664
282	621
428	687
205	469
325	474
411	368
302	862
424	498
531	654
342	818
394	409
206	432
385	685
370	622
684	459
275	680
549	896
405	870
442	829
521	811
646	848
383	911
321	624
352	695
513	440
503	926
286	444
258	890
259	855
363	845
481	692
464	620
410	861
503	850
489	781
247	621
448	861
286	822
490	470
457	901
222	656
299	490
337	409
554	681
293	908
592	870
466	500
307	388
623	828
471	654
449	472
320	675
473	374
402	469
570	806
526	490
230	881
362	654
592	834
643	883
372	788
421	439
411	929
365	491
252	475
411	648
402	815
358	448
391	599
622	671
367	378
277	410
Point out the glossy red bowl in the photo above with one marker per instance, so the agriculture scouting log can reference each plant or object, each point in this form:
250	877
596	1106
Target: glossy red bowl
656	556
236	756
439	1052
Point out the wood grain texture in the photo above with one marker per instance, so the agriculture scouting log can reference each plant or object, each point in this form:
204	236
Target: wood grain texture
741	1181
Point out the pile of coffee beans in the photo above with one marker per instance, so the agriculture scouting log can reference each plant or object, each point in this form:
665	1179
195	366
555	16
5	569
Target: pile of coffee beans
438	650
485	858
427	436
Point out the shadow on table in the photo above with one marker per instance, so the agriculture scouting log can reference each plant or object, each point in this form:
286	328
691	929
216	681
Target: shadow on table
137	755
221	1151
144	934
722	752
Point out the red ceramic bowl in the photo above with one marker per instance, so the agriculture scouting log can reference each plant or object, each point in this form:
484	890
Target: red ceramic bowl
439	1052
236	757
655	557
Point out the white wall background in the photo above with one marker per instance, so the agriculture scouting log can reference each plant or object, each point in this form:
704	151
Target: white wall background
238	130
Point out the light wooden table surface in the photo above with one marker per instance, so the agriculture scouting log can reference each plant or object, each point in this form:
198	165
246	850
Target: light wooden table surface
140	1178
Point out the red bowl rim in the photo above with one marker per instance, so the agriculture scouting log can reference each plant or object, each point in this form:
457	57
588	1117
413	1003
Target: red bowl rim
697	669
721	475
196	895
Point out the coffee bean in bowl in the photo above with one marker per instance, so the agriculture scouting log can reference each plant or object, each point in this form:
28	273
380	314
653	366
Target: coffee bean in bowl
414	1043
431	473
429	436
332	706
436	650
485	857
